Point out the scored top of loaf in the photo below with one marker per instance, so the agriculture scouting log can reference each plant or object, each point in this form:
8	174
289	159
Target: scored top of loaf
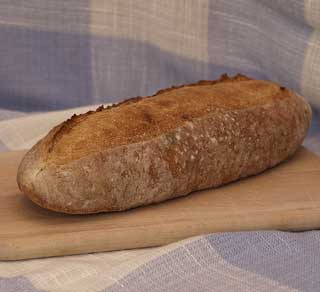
139	119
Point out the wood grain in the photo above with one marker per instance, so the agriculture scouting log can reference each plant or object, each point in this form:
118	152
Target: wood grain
286	197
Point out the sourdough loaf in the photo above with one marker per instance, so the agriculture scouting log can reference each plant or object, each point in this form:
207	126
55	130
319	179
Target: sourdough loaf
151	149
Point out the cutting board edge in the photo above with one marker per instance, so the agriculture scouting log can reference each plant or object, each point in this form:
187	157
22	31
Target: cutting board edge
16	249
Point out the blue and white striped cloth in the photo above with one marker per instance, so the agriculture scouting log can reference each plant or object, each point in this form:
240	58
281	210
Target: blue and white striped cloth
59	57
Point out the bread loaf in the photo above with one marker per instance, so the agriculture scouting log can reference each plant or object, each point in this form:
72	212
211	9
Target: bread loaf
151	149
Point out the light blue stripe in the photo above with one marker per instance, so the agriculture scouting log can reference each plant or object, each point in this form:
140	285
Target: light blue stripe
248	36
43	70
16	284
291	259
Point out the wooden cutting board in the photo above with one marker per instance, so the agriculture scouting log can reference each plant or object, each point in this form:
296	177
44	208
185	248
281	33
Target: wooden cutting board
286	197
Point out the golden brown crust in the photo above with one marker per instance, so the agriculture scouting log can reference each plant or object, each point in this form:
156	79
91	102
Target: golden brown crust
145	115
140	119
150	149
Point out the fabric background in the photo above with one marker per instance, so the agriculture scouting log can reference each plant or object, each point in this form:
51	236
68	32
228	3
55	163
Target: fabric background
63	57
